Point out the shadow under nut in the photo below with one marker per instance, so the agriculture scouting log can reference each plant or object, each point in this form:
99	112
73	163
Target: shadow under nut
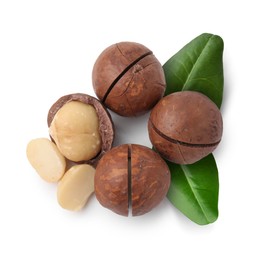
106	126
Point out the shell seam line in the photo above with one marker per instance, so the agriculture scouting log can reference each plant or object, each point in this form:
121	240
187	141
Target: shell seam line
123	73
129	180
172	140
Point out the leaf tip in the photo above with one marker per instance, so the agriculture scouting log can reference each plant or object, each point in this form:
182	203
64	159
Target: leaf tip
214	37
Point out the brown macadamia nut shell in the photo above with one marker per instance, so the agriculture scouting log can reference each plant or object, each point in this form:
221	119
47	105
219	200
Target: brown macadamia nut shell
185	126
111	180
131	175
150	179
106	126
128	78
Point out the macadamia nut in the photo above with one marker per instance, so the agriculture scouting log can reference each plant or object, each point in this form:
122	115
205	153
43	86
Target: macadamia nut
131	177
46	159
75	130
185	126
76	187
128	78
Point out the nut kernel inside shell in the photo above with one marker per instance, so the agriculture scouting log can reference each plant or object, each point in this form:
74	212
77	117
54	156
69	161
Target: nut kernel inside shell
106	126
75	130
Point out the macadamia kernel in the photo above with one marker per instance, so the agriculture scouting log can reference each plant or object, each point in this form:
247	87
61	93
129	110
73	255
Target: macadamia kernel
76	187
46	159
75	130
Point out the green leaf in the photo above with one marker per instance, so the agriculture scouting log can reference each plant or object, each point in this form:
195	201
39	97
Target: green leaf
198	66
194	190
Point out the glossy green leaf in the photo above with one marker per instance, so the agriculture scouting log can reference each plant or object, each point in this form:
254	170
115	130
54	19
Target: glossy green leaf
194	190
198	66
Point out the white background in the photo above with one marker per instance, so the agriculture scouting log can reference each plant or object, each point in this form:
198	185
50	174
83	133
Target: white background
47	50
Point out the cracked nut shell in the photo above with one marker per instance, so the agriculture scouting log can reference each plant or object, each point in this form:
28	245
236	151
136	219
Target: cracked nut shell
131	175
106	126
185	126
128	78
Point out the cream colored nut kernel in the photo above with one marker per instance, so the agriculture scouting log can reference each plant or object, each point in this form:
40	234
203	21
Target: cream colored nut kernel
75	130
76	187
46	159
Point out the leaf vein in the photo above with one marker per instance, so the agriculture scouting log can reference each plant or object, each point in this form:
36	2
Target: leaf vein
186	172
183	65
180	79
194	64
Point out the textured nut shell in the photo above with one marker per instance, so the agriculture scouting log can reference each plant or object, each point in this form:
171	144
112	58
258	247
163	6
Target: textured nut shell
106	127
139	86
139	89
131	170
185	126
150	179
111	180
112	62
175	152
